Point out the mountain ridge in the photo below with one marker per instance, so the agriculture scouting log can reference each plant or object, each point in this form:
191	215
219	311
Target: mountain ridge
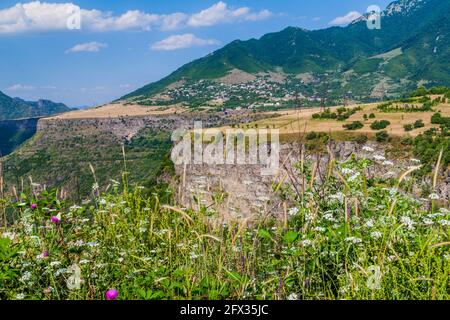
17	108
336	50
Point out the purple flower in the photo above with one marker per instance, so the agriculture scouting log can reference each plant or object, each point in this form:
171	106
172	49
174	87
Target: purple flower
45	254
33	206
55	219
111	294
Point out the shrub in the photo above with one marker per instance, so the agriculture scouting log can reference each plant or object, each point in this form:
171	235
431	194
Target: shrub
408	127
361	139
311	135
355	125
372	116
382	136
419	124
379	125
407	141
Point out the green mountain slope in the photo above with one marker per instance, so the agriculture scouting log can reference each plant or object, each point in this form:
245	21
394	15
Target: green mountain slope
342	57
15	108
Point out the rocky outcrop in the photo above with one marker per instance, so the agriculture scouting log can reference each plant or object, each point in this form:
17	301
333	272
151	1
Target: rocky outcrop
125	128
240	191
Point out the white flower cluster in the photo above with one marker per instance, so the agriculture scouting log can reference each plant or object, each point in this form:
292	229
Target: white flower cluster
293	211
353	240
407	222
379	157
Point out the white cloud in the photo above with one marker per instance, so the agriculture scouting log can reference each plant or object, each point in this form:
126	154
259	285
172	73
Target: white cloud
87	47
221	13
43	16
348	18
257	16
182	41
21	87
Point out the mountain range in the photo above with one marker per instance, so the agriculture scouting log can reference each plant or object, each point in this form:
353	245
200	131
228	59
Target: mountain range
16	108
411	49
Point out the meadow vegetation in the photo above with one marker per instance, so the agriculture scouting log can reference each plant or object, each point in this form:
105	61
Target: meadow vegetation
347	237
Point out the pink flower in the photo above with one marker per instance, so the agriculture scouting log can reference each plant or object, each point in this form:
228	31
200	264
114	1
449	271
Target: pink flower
45	254
33	206
55	219
111	294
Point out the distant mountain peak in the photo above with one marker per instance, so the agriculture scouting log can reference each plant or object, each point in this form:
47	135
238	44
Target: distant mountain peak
17	108
403	7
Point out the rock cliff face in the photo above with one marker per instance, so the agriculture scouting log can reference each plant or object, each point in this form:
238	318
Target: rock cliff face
125	128
240	191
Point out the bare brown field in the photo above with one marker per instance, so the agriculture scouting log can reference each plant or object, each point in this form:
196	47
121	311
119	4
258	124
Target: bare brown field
298	121
118	110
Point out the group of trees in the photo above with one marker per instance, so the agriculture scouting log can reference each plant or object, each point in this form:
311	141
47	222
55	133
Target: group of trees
416	125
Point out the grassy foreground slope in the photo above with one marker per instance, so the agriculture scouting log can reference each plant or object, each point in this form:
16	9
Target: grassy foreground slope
348	238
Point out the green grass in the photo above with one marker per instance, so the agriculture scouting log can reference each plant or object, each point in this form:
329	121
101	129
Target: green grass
348	237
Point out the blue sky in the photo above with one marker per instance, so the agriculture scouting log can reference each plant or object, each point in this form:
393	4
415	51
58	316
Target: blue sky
123	45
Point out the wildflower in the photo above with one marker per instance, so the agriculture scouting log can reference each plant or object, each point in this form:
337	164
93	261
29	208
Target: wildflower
20	296
376	234
354	177
56	219
293	296
445	222
55	263
388	163
338	196
195	256
319	229
48	290
78	243
370	223
329	217
415	160
434	196
347	171
43	255
379	157
353	240
95	186
390	174
9	235
142	229
393	192
368	149
407	222
307	242
26	276
427	221
111	294
84	261
33	206
293	211
60	271
75	207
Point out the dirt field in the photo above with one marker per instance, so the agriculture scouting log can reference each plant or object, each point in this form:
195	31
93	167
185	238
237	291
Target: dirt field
294	121
118	110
